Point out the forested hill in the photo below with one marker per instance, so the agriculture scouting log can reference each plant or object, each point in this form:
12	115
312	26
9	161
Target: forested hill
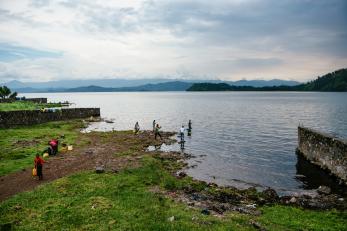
335	81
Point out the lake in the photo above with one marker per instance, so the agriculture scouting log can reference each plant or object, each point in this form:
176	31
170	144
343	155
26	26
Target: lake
239	138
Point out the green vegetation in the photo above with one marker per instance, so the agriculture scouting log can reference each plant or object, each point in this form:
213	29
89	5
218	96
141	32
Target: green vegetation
26	105
335	81
5	92
291	218
19	145
137	197
127	201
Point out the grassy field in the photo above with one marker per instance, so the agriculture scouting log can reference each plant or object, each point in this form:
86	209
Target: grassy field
18	146
123	201
26	105
135	198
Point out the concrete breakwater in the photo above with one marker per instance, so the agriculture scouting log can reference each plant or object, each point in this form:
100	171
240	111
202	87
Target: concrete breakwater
324	150
29	117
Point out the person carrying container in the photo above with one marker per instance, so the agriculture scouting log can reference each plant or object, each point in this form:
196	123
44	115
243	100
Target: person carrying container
38	161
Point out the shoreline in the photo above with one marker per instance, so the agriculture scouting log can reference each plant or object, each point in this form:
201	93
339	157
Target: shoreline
158	174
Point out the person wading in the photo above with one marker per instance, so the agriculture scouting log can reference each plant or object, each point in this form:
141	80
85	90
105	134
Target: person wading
182	132
157	132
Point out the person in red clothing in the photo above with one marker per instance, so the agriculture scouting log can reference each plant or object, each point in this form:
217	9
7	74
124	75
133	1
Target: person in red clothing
38	165
54	145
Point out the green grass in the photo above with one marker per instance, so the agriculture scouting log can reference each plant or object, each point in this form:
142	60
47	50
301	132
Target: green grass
88	201
26	105
123	201
291	218
18	146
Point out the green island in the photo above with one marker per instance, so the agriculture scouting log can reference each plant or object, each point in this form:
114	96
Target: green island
335	81
139	190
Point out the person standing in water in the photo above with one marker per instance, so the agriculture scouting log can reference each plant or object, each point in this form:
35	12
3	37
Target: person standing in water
189	128
182	132
137	128
157	132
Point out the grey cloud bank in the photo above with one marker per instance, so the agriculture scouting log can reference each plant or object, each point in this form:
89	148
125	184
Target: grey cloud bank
141	39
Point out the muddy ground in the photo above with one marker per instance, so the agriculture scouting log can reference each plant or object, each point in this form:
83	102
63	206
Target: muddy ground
112	151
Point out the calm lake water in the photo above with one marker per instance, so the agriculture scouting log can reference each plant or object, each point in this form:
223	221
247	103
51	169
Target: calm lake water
239	138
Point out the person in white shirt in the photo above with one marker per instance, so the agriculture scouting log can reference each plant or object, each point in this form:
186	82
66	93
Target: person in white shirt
182	132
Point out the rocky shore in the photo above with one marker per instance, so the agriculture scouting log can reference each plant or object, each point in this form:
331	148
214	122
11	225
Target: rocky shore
211	198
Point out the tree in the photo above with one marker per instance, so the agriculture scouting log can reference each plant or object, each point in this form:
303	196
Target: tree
5	92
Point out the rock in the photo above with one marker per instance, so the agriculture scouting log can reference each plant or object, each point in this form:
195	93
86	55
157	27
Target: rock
251	206
205	212
257	225
217	207
292	200
324	190
270	195
213	185
171	219
181	174
193	166
191	203
99	169
89	152
247	211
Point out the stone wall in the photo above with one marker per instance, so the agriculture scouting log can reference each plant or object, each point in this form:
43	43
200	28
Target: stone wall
34	100
324	150
29	117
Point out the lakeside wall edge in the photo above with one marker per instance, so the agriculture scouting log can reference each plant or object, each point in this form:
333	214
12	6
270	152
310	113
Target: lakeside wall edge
324	150
29	117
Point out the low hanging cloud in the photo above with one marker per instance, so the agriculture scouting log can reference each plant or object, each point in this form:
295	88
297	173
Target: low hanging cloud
225	39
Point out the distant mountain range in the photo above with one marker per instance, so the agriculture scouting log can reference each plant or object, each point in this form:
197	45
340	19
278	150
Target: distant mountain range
335	81
121	85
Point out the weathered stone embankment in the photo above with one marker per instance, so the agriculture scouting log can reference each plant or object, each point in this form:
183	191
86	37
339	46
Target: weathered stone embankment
30	117
326	151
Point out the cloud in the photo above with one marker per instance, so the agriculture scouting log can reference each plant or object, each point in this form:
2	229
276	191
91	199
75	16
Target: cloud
10	53
227	39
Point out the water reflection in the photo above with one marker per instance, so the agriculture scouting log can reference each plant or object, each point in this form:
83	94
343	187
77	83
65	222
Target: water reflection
313	176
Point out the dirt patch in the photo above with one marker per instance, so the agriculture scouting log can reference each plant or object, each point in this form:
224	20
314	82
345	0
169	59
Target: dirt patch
25	143
100	150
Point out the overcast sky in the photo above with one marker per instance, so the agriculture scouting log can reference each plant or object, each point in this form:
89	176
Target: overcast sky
43	40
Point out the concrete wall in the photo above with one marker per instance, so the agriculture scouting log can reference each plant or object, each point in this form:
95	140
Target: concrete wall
29	117
324	150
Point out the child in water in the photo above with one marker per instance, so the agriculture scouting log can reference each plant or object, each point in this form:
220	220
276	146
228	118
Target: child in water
38	161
